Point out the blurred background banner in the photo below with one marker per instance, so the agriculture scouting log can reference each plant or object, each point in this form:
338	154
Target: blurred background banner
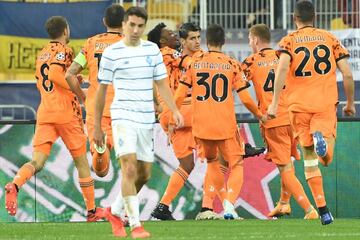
350	38
22	32
54	195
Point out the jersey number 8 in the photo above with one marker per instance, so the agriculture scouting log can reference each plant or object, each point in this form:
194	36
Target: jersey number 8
46	83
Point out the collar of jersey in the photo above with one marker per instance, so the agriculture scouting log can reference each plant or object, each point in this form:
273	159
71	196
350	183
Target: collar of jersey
56	42
265	49
306	27
216	52
114	32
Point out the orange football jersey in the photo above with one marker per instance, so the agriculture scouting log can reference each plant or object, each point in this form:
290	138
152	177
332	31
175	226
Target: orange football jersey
176	66
172	59
311	82
260	68
58	105
93	49
213	76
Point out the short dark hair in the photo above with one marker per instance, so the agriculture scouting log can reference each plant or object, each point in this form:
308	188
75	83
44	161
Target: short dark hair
215	35
261	31
305	11
155	34
55	26
114	15
188	27
137	11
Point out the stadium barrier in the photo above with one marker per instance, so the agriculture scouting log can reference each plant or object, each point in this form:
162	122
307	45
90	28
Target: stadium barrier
54	195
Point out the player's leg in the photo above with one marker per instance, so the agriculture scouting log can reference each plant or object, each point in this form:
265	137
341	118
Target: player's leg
143	174
125	141
325	123
233	152
145	158
323	129
301	124
73	135
280	140
283	205
22	176
287	173
131	144
209	194
45	135
183	144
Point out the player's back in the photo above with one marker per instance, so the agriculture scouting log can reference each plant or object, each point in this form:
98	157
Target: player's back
260	68
312	78
93	50
57	103
213	75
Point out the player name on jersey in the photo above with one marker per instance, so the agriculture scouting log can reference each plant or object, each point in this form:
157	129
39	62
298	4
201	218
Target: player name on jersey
207	65
273	62
302	39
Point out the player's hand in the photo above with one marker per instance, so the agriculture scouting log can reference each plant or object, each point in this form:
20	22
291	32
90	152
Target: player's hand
271	112
158	108
99	136
349	109
170	132
179	119
263	118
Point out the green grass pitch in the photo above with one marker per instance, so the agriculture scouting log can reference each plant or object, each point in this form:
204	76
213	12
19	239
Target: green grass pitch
190	229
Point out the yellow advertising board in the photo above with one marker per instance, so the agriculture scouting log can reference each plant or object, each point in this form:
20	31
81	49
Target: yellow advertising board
18	54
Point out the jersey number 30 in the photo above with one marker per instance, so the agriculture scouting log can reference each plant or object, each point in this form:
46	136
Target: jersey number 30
211	90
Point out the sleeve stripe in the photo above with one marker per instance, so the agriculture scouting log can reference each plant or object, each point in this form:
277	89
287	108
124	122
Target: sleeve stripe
160	75
107	69
342	57
185	83
244	87
103	80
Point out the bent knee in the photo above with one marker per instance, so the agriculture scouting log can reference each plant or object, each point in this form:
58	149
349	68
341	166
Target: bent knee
38	166
187	164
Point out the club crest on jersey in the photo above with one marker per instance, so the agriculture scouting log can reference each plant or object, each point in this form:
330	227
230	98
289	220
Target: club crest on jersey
120	142
60	56
149	60
176	54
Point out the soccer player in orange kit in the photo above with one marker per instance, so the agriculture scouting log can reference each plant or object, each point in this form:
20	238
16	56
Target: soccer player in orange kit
308	59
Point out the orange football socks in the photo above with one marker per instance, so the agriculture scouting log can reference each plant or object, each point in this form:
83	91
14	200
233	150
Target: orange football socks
24	174
88	191
176	182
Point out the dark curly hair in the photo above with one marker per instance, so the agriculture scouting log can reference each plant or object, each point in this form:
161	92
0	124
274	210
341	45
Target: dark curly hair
155	34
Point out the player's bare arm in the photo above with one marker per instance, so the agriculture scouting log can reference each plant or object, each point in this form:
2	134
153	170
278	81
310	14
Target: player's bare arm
250	104
348	81
279	82
157	105
72	79
99	108
165	93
